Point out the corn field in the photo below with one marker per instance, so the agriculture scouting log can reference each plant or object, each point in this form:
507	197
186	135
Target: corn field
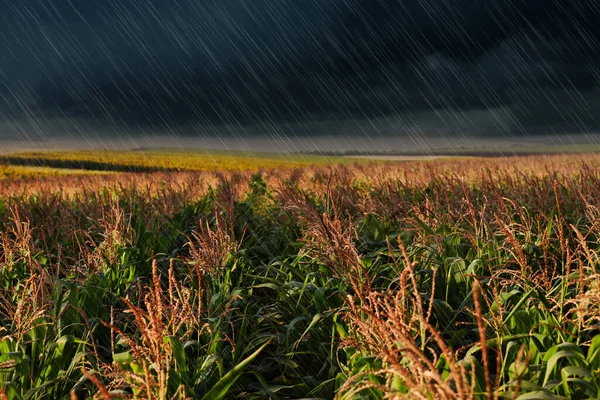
448	279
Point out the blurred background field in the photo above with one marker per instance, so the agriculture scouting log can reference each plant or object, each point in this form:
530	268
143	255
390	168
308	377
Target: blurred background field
161	160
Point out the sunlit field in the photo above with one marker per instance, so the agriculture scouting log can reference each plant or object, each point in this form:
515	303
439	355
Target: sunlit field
18	171
230	276
159	160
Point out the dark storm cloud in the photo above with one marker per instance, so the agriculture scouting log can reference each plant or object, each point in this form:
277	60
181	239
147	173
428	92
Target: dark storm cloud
500	66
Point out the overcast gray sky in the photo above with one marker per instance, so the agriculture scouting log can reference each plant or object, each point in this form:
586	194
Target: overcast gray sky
91	68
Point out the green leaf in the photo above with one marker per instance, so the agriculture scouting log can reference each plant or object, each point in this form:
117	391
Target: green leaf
178	353
572	370
540	395
517	307
220	389
315	319
593	357
569	350
122	358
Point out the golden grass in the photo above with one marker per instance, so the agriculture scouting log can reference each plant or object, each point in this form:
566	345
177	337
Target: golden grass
165	160
20	172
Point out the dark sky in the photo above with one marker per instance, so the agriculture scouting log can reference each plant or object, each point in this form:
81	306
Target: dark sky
372	67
